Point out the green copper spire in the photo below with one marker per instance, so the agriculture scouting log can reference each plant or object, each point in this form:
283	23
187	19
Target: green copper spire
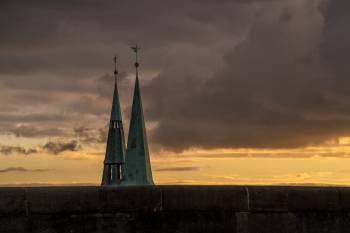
137	166
113	170
116	113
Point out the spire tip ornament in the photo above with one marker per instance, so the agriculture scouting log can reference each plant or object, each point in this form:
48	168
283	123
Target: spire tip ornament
136	64
115	66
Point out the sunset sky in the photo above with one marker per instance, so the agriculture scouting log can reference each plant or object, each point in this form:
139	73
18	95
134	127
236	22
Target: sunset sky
234	91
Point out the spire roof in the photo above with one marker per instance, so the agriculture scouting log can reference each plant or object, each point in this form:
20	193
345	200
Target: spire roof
137	166
115	151
116	112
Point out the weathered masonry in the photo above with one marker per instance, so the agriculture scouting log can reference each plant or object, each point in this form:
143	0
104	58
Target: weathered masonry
234	209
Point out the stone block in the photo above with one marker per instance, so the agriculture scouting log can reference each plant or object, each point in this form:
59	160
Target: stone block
191	221
268	223
63	199
203	198
267	199
242	222
302	199
132	198
13	224
344	198
12	201
320	222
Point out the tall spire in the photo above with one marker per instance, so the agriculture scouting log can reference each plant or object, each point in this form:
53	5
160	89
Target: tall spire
113	170
137	166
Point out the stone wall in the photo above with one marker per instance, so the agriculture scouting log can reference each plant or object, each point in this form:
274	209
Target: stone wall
162	209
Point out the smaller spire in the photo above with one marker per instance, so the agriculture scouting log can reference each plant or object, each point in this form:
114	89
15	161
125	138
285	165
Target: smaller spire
116	111
137	64
113	171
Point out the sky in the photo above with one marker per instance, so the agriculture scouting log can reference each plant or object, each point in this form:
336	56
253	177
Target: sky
234	91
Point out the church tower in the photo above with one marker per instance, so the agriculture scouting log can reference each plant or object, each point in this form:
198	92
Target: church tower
137	165
113	170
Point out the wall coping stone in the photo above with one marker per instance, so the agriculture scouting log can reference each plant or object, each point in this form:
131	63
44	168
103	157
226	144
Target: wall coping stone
97	199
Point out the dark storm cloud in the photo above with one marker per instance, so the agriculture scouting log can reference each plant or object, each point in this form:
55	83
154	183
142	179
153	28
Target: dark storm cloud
31	117
90	135
51	147
22	169
80	36
81	131
10	150
87	105
244	73
335	48
32	131
106	81
59	147
272	90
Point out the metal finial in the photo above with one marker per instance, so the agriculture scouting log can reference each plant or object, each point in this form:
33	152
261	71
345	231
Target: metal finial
136	50
115	65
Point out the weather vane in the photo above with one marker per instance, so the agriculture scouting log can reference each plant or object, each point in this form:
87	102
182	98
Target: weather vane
136	50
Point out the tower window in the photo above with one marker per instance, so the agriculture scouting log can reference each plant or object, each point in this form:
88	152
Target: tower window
115	125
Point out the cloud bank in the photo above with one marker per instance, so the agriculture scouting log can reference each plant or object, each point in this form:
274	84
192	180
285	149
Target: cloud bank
22	169
229	74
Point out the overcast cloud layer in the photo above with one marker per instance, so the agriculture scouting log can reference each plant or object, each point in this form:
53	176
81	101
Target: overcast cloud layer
215	74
